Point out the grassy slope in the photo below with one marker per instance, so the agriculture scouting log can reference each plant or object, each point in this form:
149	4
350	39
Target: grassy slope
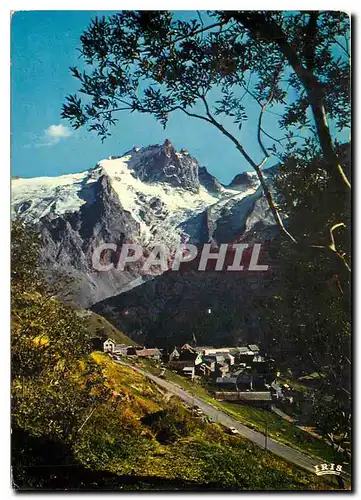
96	323
256	418
207	456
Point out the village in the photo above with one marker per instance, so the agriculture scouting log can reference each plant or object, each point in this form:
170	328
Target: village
244	374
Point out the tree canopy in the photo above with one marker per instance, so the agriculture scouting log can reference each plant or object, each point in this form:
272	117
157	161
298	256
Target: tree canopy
308	318
294	64
54	382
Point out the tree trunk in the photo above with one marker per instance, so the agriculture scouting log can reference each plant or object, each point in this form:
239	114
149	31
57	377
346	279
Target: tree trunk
271	32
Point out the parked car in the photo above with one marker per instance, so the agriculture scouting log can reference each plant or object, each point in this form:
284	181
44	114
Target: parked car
232	430
197	411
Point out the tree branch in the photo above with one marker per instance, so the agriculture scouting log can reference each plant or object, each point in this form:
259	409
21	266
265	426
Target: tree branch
259	130
122	101
332	245
256	168
342	47
87	418
197	32
310	42
111	111
270	31
194	115
279	141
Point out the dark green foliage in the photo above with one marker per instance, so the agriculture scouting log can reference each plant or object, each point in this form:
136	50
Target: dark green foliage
309	319
25	247
185	59
55	384
112	441
170	424
40	463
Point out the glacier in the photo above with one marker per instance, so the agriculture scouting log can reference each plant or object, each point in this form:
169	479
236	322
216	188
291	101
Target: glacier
148	195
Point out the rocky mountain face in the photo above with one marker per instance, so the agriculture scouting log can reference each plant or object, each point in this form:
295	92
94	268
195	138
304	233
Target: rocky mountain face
148	195
217	308
165	164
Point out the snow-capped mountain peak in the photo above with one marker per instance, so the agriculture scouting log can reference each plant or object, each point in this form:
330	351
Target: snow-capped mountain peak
148	195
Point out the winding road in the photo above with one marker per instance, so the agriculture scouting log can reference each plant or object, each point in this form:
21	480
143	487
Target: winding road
291	455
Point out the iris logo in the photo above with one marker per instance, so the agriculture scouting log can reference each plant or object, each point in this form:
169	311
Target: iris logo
323	469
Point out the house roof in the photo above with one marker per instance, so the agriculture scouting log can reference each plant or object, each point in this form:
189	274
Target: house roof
148	352
258	359
238	372
220	350
253	347
203	348
255	396
180	363
244	350
109	340
187	347
209	357
121	346
220	353
226	380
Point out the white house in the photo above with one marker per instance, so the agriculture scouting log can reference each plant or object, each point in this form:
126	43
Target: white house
254	348
108	345
229	358
215	350
189	371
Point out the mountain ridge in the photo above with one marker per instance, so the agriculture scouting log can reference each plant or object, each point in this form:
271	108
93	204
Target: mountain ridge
148	196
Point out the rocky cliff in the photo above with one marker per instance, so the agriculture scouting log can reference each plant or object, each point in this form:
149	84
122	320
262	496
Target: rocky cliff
148	195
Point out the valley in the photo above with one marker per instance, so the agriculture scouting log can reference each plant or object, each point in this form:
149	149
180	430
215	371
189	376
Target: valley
158	196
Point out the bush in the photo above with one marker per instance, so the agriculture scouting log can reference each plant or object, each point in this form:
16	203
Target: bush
170	424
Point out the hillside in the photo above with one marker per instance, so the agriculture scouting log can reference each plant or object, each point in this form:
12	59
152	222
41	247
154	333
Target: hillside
167	310
142	439
184	450
81	422
101	328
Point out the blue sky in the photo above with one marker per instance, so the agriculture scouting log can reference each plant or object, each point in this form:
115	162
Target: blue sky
43	47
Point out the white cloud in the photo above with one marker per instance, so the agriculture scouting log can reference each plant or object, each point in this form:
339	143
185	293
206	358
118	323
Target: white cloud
53	135
58	131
